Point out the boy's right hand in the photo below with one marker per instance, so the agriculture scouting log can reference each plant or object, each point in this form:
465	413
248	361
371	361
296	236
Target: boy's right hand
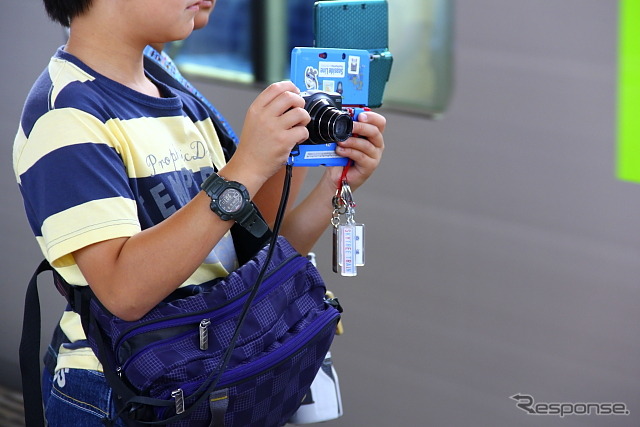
275	122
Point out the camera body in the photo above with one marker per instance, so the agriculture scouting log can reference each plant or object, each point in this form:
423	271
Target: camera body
329	122
335	86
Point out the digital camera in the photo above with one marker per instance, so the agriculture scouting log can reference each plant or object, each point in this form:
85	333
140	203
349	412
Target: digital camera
329	123
335	86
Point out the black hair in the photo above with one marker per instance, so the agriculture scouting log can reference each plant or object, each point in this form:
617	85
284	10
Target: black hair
63	11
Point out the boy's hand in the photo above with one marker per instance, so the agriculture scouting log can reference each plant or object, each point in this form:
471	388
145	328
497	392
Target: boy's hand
365	150
275	122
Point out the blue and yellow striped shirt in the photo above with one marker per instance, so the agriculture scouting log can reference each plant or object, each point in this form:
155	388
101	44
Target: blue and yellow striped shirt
96	160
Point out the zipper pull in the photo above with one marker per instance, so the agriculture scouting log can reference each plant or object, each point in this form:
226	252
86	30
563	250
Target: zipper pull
178	396
204	334
330	299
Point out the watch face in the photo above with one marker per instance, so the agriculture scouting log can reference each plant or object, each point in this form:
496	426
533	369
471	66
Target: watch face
231	200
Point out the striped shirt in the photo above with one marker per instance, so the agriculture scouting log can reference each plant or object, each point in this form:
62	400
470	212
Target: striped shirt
96	160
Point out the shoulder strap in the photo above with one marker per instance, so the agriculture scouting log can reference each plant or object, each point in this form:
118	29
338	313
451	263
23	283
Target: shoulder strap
30	352
247	245
30	344
225	134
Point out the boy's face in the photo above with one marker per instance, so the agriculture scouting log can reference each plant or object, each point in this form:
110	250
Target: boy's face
202	17
159	21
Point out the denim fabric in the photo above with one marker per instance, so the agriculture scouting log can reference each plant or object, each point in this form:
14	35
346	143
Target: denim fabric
77	397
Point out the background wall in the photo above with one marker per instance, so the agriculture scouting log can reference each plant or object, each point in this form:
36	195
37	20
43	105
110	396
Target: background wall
502	254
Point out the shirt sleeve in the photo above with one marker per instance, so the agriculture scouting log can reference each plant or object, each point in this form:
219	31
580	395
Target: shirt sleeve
74	184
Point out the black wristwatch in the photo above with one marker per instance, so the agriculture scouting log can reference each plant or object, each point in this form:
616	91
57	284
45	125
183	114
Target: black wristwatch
230	201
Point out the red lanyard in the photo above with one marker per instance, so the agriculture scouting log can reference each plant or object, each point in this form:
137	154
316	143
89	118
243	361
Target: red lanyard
343	177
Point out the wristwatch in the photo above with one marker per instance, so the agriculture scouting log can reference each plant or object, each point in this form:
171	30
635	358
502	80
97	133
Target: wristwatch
230	201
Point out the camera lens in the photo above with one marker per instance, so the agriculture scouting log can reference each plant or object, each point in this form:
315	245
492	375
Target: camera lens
342	127
328	122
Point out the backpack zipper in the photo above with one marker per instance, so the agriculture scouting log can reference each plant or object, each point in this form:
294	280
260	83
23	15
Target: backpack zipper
180	322
242	373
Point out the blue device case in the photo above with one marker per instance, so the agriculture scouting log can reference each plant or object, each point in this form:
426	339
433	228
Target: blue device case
343	71
358	24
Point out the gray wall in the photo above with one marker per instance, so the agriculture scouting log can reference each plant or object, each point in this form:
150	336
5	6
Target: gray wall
502	252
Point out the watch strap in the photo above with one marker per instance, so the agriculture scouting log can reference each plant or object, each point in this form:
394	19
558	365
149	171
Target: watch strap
252	221
247	217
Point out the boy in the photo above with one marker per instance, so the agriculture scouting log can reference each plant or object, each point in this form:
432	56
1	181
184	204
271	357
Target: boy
110	163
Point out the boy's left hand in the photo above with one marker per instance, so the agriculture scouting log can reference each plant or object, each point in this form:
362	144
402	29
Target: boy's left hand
365	150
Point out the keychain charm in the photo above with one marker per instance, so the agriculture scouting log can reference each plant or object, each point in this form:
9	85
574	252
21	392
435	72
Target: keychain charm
348	236
345	243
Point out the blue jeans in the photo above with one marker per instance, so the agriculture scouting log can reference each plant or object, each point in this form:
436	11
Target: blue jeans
77	397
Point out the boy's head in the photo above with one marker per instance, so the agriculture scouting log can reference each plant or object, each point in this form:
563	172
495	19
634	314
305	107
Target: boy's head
63	11
132	22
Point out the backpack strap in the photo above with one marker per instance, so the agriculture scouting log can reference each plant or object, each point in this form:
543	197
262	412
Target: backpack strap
224	132
30	352
218	404
79	299
246	244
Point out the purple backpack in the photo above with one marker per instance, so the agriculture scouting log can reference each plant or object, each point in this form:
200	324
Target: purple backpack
225	353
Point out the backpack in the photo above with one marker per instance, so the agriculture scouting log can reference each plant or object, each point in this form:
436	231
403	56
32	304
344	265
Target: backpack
226	353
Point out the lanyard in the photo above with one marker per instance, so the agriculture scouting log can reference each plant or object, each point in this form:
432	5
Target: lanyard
170	67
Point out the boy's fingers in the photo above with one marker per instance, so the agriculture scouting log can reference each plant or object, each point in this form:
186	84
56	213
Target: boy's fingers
285	102
375	119
368	132
273	91
361	147
295	117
